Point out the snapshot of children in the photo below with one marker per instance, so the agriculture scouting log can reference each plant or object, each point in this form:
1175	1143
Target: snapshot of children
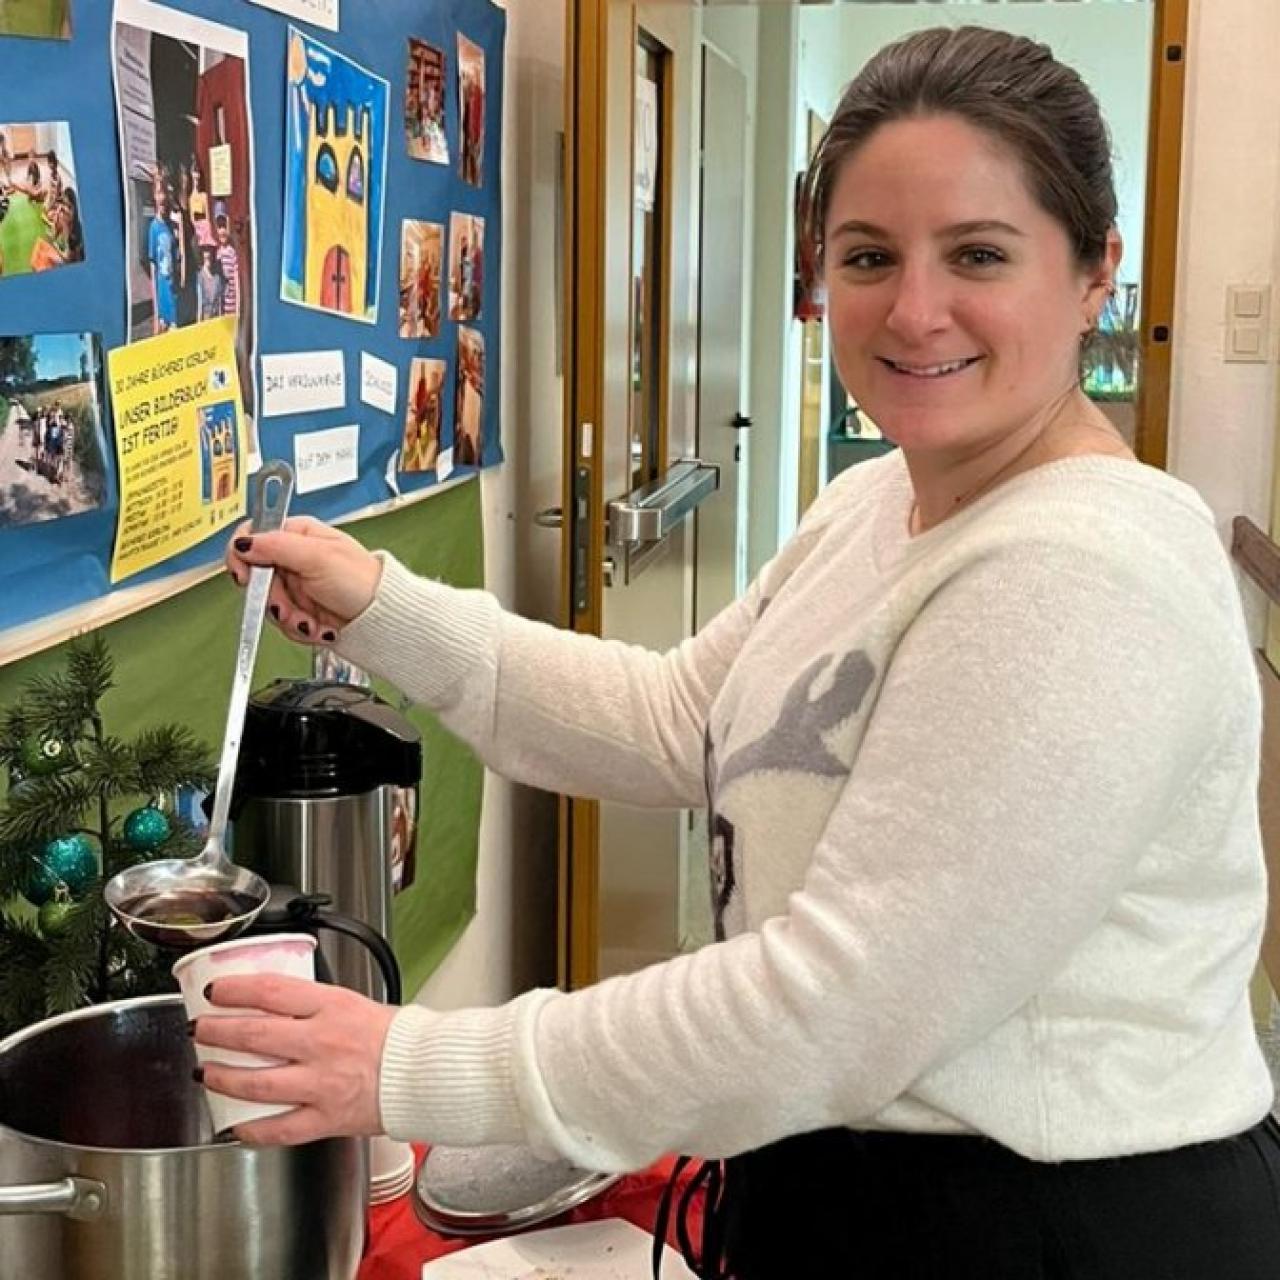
39	210
51	456
188	168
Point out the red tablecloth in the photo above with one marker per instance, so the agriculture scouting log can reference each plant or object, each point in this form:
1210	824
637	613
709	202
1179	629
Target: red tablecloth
399	1244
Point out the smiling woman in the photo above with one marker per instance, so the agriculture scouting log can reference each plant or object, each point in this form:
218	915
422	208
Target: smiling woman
967	236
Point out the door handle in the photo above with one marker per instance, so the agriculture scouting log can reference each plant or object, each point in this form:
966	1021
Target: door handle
740	422
650	513
549	518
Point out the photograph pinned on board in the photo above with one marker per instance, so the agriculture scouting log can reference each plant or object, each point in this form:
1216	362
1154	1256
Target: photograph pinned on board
219	454
44	19
40	225
422	416
424	92
52	455
468	404
471	103
421	256
335	179
182	96
466	265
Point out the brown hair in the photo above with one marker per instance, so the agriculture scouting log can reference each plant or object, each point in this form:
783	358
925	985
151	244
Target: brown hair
1007	85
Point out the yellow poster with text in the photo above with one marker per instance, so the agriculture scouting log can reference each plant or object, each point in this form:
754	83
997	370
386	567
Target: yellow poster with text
180	442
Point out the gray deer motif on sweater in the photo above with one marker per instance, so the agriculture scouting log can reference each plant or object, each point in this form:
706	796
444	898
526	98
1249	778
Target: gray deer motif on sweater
795	742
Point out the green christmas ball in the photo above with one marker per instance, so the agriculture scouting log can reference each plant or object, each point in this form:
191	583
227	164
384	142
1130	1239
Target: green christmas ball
146	829
68	860
52	917
41	756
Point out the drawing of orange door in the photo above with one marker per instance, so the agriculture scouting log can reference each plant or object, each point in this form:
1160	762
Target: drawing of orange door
335	287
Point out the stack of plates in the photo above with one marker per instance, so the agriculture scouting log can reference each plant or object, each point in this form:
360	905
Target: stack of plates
391	1168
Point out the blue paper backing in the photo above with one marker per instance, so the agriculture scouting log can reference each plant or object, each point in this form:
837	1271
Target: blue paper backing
52	566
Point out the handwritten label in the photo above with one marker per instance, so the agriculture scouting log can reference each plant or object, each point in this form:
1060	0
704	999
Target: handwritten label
322	13
322	459
377	383
303	382
220	170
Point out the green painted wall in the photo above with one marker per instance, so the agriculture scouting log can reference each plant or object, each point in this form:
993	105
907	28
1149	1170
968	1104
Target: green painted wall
174	663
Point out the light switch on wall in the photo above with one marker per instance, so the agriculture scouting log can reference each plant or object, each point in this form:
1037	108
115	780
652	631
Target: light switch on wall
1248	323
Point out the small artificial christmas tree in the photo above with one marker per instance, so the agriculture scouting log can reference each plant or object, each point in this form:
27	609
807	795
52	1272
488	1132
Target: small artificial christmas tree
66	827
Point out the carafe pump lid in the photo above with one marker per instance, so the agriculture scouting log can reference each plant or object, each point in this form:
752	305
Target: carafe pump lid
318	738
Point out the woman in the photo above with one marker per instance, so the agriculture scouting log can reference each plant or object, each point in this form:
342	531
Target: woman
980	751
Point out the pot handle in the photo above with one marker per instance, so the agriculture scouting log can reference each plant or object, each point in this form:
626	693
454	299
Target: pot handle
80	1198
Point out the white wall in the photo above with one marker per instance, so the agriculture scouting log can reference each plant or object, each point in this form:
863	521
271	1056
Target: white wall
1224	415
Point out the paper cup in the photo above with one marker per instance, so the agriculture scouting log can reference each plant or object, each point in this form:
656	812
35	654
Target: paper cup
290	954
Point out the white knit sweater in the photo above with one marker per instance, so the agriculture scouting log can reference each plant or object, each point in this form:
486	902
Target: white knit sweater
985	837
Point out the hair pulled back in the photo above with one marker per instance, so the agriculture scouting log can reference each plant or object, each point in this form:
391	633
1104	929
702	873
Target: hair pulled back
1009	86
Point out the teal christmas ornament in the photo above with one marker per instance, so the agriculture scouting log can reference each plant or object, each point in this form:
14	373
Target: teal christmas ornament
146	829
68	860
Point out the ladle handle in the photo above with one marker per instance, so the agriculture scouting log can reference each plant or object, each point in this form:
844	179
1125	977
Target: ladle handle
270	489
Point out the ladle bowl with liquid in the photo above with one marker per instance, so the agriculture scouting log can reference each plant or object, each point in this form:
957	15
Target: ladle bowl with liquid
176	904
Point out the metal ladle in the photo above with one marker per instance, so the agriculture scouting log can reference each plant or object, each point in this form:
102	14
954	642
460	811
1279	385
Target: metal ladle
190	902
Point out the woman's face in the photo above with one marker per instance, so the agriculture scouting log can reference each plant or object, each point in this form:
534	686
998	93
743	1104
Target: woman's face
955	301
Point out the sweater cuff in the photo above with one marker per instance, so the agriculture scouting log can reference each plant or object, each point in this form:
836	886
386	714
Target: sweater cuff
451	1078
423	636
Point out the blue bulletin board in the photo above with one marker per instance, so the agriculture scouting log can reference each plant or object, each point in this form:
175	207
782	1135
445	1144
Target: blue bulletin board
53	565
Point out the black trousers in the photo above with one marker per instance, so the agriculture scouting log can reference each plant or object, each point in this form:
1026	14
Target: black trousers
881	1206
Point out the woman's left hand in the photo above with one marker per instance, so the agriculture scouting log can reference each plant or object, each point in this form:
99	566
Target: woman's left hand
331	1042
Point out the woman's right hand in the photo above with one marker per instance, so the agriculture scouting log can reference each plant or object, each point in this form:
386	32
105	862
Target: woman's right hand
324	578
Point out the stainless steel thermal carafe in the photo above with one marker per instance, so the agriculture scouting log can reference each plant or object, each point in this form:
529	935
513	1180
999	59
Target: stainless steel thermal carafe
325	801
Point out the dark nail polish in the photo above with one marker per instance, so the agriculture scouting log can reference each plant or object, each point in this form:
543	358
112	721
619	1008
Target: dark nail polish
304	628
191	1027
198	1075
328	636
243	545
208	992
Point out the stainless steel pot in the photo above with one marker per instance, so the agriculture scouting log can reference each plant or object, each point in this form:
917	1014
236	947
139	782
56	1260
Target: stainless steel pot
109	1166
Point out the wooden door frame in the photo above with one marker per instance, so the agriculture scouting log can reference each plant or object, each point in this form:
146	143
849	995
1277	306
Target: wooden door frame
1169	54
585	161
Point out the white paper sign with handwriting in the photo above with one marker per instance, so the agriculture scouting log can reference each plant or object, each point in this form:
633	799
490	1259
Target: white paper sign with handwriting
377	383
322	459
302	382
320	13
